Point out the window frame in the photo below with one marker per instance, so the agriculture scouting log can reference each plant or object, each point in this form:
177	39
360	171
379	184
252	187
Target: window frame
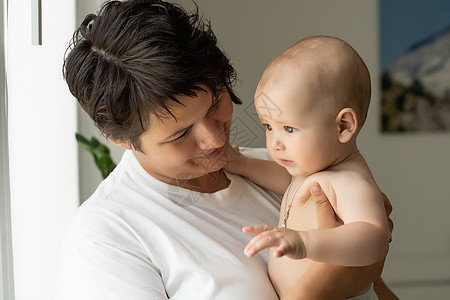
6	256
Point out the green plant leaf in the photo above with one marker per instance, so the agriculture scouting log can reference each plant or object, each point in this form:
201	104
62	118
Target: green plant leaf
100	152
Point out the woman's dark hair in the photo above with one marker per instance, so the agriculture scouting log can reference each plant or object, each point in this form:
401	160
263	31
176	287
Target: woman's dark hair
134	57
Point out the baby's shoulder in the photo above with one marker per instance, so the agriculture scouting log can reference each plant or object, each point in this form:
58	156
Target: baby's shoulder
334	181
354	173
330	177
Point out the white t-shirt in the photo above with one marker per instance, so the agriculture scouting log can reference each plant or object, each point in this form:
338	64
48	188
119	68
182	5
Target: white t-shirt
137	238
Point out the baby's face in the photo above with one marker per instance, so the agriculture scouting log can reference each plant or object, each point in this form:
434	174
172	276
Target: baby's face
295	107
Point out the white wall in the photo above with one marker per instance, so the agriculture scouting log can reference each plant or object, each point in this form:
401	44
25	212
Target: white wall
411	169
42	149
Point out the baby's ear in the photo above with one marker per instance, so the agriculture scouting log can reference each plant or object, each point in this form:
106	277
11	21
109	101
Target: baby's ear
347	124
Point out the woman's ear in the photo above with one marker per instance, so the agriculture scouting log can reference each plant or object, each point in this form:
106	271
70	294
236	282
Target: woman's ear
347	124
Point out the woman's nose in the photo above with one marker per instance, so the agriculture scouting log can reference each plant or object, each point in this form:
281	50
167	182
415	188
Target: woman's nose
210	134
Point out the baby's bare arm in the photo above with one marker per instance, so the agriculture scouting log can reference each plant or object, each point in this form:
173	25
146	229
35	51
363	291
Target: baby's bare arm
361	241
325	281
364	238
264	173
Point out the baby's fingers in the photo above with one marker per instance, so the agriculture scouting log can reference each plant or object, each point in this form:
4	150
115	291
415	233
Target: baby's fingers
260	242
257	229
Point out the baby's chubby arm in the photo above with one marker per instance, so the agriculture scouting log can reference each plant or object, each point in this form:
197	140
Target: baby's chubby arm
265	173
361	241
364	237
327	281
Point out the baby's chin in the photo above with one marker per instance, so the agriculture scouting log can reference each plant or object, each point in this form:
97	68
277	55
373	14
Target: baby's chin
299	173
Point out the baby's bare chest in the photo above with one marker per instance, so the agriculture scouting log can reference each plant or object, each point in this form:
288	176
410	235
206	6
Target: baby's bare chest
285	272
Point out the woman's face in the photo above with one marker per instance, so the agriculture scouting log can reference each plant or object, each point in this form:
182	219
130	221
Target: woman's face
192	145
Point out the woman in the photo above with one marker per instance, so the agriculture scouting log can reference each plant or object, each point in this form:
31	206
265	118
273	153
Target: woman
167	222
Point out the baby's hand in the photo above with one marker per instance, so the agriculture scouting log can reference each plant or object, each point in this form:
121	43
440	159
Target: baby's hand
286	241
235	160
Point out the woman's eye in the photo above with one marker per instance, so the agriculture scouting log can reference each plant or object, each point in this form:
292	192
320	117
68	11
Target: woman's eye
180	137
268	127
289	129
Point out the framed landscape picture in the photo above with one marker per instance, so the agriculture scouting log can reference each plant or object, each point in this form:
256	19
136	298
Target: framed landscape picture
415	65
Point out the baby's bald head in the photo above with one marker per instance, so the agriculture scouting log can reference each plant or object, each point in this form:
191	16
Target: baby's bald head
333	67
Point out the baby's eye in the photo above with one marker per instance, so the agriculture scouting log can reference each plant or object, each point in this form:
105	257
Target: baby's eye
289	129
268	127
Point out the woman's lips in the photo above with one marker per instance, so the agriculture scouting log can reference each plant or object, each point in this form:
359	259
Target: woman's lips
213	154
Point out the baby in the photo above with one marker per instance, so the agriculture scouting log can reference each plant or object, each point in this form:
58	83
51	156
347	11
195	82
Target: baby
313	100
